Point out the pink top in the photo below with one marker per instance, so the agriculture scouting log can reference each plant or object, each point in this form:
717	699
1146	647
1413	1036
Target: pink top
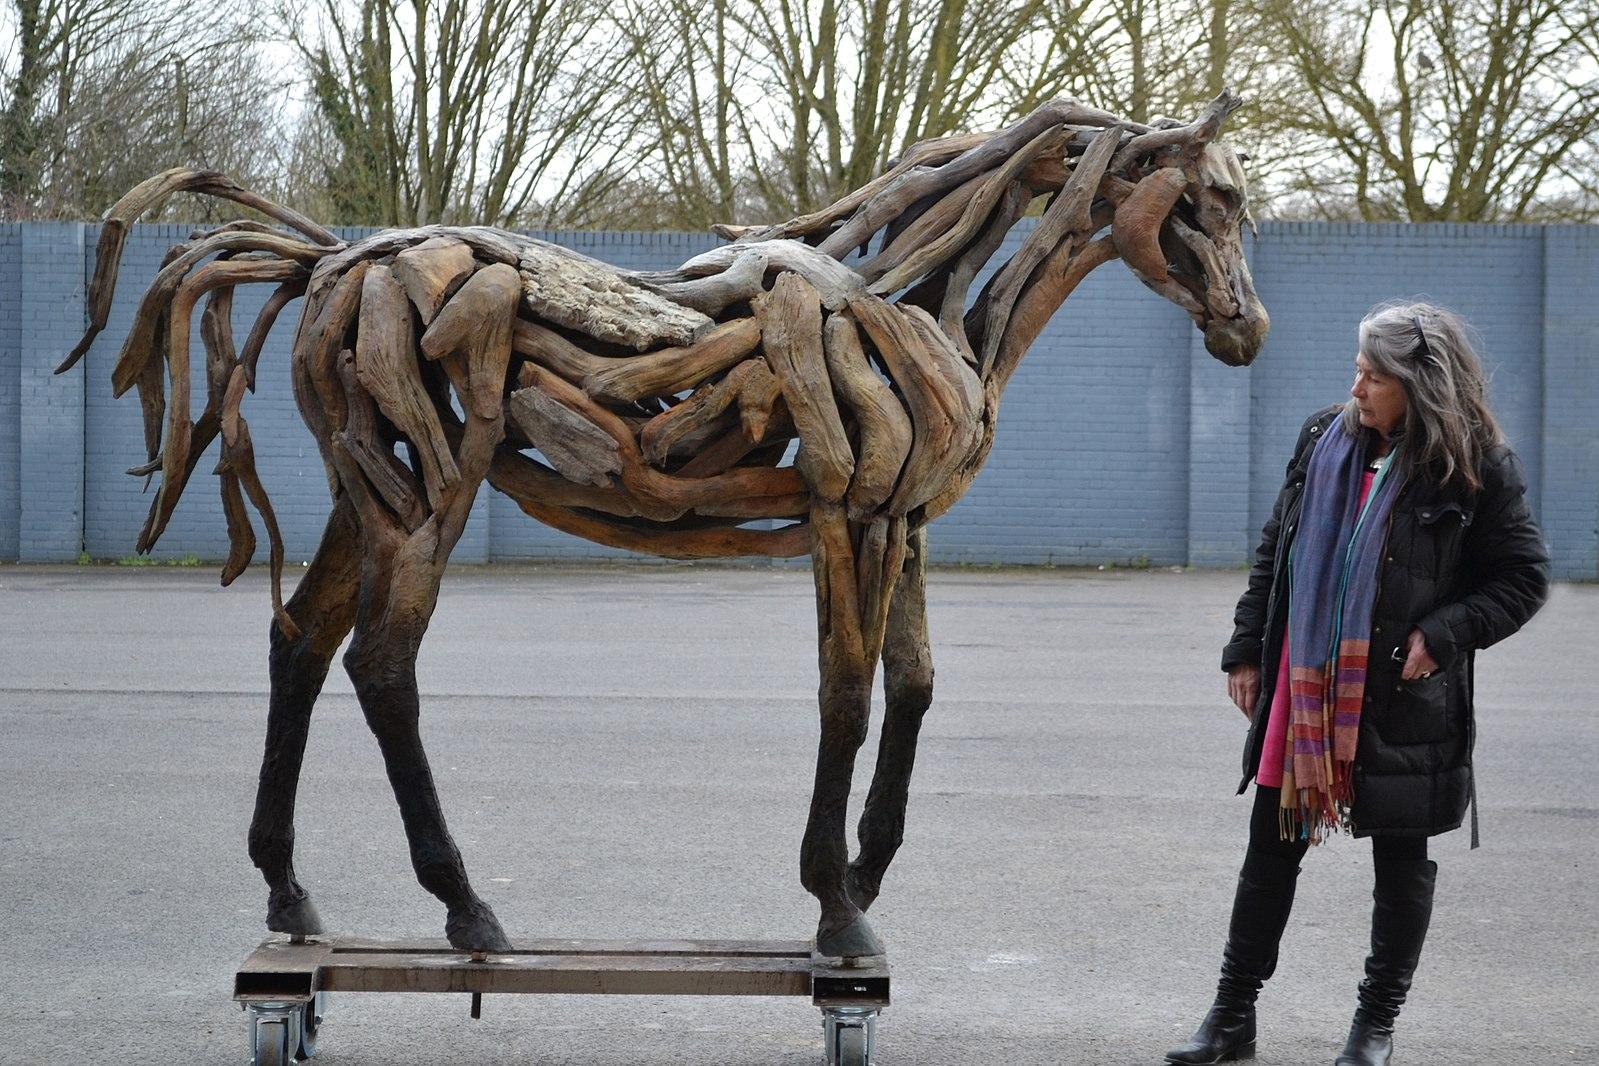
1270	772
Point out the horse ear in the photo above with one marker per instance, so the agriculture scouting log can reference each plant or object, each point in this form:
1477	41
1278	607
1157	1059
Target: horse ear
1208	127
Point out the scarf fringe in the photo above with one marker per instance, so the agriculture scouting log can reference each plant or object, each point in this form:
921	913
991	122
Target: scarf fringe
1313	815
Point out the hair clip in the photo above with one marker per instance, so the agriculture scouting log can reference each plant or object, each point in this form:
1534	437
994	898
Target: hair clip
1421	335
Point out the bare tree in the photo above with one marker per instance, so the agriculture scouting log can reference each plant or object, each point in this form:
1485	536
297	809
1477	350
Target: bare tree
96	93
442	110
764	110
1460	110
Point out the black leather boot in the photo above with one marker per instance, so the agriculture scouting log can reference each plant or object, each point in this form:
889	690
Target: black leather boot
1260	911
1402	908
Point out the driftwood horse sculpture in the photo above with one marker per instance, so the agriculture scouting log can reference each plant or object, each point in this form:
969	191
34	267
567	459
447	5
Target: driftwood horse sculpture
662	407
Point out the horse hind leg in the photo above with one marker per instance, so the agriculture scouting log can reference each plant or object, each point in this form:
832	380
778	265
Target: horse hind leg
323	606
399	589
908	690
853	569
402	566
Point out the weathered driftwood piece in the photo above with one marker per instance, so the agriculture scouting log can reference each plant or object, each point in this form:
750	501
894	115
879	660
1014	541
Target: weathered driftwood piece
579	450
747	392
386	366
250	355
477	325
675	369
834	281
1067	217
361	440
432	271
929	251
661	430
603	304
554	352
884	426
791	320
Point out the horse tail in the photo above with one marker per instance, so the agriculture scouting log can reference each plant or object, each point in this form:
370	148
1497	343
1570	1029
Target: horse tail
211	264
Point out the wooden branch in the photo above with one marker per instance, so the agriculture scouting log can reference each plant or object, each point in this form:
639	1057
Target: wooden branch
523	477
712	543
432	272
600	302
239	454
150	195
706	407
326	337
175	451
884	426
142	342
394	484
477	324
952	306
1054	281
791	326
577	448
974	214
1068	217
916	183
832	279
1136	232
732	448
879	557
1193	136
554	352
289	290
937	406
386	366
843	648
672	370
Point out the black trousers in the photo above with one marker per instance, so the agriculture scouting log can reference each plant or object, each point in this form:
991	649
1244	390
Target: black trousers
1265	840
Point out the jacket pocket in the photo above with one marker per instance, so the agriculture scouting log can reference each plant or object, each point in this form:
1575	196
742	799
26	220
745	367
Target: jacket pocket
1418	711
1440	536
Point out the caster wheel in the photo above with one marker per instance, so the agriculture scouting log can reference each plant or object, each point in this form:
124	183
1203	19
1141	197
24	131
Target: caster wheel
849	1033
852	1048
309	1019
273	1041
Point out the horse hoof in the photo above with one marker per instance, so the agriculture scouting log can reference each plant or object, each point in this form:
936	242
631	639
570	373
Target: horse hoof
860	893
474	928
292	912
854	941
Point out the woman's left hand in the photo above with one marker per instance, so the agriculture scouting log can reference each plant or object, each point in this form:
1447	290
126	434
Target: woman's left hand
1418	661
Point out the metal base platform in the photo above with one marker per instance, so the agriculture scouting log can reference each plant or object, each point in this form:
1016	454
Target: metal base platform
284	985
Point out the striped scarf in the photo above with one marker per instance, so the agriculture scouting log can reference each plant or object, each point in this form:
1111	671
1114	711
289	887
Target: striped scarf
1332	581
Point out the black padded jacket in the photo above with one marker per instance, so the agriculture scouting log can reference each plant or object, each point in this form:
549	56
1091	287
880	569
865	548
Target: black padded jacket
1466	568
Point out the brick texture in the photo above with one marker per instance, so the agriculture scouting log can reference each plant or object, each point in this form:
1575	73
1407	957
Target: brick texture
10	389
1120	439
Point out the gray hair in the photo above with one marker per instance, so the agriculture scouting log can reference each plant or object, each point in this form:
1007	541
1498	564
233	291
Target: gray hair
1427	349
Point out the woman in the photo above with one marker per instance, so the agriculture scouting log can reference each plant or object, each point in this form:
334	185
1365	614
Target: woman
1400	544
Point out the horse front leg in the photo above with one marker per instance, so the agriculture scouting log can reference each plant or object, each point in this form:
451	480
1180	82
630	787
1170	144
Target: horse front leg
851	601
323	607
908	691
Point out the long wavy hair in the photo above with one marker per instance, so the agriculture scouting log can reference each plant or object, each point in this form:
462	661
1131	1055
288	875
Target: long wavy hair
1427	348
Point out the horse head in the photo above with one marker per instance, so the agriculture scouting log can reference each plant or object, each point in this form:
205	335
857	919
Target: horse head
1178	224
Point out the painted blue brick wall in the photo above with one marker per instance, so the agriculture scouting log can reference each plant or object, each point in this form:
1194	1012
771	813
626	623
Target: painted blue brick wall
1119	437
50	436
1570	488
1219	456
10	389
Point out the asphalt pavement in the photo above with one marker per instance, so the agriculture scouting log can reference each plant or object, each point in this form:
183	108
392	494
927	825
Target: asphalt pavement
627	752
